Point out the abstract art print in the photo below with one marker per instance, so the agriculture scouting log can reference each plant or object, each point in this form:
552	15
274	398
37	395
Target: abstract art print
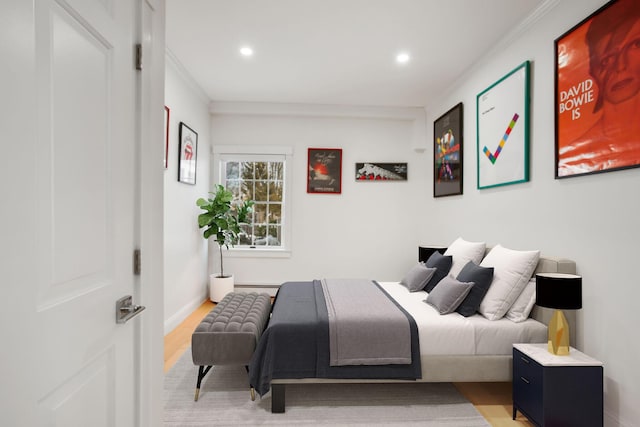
324	170
188	154
371	171
503	130
597	92
447	153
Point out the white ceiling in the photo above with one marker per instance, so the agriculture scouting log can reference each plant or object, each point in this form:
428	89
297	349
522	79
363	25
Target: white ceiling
337	52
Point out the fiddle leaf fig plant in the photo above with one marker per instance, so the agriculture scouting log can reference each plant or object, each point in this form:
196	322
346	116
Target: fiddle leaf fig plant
221	218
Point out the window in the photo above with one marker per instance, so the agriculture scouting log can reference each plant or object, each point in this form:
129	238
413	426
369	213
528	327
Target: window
257	174
262	182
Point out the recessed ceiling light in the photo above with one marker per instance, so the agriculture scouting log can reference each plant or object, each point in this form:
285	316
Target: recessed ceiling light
246	51
403	58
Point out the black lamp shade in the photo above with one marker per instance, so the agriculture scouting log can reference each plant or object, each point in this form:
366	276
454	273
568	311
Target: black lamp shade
559	290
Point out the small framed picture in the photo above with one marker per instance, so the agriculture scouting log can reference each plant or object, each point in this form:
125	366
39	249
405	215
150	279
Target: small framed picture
166	136
188	154
503	130
324	170
597	96
372	171
447	153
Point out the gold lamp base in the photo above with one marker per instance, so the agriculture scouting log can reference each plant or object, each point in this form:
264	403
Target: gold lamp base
558	334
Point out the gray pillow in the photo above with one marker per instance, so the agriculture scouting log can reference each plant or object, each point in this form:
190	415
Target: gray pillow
448	294
417	277
442	263
482	277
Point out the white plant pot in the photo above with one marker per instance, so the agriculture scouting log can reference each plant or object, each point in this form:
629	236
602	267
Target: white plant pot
219	287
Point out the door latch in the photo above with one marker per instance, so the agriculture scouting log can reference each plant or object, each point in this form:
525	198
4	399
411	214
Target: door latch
125	309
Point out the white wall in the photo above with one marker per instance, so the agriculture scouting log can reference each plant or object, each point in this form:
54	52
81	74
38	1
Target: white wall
371	229
185	250
591	219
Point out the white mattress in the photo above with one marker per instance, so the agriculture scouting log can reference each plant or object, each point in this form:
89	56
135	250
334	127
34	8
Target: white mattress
454	334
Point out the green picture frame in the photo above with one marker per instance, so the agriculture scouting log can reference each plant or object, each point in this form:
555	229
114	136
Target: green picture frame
502	118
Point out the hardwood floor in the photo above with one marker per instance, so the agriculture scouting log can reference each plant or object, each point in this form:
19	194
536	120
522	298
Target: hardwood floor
492	400
178	340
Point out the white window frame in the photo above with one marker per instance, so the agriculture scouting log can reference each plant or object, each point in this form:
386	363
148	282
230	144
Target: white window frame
260	153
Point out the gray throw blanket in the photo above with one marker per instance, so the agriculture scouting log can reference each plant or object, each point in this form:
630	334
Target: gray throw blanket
365	326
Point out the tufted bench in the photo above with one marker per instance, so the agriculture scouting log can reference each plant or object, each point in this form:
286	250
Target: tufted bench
228	335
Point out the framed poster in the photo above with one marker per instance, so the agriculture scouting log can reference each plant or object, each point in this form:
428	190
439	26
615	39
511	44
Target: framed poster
324	170
597	92
503	130
381	171
166	136
188	154
447	153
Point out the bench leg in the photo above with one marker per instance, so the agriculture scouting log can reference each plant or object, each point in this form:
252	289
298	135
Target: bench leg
252	390
202	371
277	398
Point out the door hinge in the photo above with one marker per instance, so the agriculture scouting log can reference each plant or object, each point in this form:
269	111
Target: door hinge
136	262
139	57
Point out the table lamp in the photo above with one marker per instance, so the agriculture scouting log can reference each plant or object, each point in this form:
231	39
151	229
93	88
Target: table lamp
562	292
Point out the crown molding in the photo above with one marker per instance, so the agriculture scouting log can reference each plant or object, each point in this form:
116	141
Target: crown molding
172	60
415	115
541	11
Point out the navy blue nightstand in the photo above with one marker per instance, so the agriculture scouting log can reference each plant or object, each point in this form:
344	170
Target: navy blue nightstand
555	390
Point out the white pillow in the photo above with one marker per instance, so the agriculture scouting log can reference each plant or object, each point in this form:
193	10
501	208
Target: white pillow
462	252
520	310
511	272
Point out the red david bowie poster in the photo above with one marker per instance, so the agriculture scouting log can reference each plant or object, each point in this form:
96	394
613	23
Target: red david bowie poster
598	92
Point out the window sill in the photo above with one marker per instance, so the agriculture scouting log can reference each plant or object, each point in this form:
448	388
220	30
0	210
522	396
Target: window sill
258	252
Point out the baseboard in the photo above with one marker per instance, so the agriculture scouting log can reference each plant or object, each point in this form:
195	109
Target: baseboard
172	322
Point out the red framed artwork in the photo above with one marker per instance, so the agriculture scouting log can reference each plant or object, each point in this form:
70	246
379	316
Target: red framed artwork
166	136
324	170
597	92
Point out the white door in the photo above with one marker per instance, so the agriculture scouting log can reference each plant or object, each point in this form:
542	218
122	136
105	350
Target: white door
69	213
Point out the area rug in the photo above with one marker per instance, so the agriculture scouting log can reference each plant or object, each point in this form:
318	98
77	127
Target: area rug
225	401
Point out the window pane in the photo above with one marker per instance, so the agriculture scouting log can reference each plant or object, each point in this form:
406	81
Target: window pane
233	170
233	185
260	233
275	213
275	191
260	213
275	171
247	190
261	193
245	236
261	169
273	236
247	170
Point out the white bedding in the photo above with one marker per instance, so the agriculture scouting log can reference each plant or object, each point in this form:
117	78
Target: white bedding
453	334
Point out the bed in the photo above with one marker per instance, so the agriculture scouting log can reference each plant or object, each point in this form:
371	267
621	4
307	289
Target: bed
448	348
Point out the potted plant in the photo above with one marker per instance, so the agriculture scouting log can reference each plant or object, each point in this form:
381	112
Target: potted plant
220	220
